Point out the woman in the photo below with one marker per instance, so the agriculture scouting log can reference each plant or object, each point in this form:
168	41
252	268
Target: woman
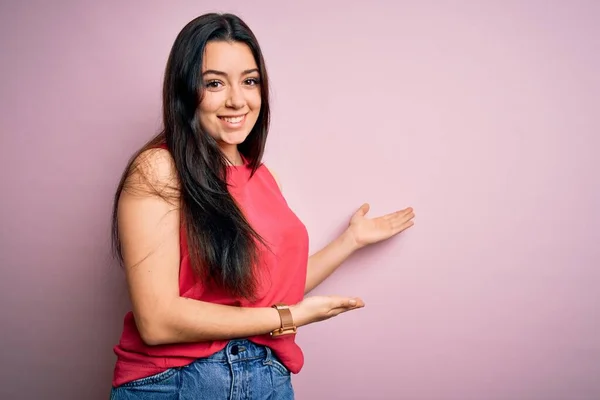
216	263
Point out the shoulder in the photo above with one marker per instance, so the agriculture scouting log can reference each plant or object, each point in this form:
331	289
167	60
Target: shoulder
275	176
153	169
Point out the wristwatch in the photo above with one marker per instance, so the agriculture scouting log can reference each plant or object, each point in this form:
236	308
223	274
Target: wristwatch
287	322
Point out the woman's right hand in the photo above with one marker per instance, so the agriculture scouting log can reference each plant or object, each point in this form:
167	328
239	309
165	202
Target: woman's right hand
319	308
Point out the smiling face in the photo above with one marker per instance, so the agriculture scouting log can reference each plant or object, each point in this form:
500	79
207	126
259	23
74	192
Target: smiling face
231	97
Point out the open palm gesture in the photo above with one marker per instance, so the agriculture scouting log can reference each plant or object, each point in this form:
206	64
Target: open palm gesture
367	231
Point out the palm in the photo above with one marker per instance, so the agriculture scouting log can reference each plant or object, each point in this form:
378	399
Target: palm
372	230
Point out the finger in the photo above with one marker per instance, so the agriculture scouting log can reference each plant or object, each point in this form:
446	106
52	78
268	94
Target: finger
403	226
344	302
402	218
340	310
350	302
347	302
399	213
359	303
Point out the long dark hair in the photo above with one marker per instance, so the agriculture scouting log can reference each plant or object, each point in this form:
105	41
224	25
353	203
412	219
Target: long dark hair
223	247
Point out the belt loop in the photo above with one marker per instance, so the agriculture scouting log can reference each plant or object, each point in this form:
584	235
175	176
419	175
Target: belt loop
227	351
269	355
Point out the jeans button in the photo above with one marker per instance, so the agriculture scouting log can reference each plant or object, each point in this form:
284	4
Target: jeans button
235	350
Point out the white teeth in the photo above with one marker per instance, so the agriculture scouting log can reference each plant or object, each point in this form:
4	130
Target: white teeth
233	120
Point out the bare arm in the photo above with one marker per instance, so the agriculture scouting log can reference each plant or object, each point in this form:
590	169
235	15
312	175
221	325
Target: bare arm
149	231
361	232
325	261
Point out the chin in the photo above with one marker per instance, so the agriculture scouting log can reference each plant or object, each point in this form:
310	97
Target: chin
234	138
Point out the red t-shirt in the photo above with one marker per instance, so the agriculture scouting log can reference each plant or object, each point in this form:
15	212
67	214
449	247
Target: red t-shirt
283	280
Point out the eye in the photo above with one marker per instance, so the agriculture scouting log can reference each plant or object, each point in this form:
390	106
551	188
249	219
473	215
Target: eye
252	81
212	84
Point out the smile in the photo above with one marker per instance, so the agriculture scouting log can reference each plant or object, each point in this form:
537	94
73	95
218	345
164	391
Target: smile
234	120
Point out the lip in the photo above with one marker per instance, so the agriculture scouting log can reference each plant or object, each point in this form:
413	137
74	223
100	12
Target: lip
231	116
232	124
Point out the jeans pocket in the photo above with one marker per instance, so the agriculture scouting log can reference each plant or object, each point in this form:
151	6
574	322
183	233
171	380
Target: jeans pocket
277	365
155	379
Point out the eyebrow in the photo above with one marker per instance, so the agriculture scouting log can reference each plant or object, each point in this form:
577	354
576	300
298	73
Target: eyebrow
215	72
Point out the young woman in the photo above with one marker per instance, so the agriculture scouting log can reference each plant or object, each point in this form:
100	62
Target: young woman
216	263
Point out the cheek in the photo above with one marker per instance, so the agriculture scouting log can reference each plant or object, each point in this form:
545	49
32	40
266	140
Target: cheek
210	104
254	100
207	110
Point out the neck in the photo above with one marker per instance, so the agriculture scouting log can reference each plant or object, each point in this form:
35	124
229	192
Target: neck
233	155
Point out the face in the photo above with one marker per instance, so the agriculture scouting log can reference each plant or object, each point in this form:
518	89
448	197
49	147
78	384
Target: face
231	94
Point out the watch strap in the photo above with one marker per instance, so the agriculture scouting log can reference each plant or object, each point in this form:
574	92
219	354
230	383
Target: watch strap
287	322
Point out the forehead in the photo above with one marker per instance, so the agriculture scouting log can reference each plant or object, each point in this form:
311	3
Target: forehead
230	57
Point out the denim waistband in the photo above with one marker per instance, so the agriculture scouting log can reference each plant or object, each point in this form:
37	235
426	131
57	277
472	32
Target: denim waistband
241	350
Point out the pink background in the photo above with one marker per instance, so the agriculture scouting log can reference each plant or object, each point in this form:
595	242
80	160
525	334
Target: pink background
483	116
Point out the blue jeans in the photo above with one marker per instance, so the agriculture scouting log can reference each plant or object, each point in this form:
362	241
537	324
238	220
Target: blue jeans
241	371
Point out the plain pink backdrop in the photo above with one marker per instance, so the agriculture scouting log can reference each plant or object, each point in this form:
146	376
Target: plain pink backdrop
483	116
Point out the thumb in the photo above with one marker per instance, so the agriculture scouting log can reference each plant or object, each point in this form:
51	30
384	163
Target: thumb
345	302
363	210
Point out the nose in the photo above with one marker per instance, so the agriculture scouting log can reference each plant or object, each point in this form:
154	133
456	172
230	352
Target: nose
236	98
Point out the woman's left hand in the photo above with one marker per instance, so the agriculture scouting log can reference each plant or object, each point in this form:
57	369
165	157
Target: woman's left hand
365	231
